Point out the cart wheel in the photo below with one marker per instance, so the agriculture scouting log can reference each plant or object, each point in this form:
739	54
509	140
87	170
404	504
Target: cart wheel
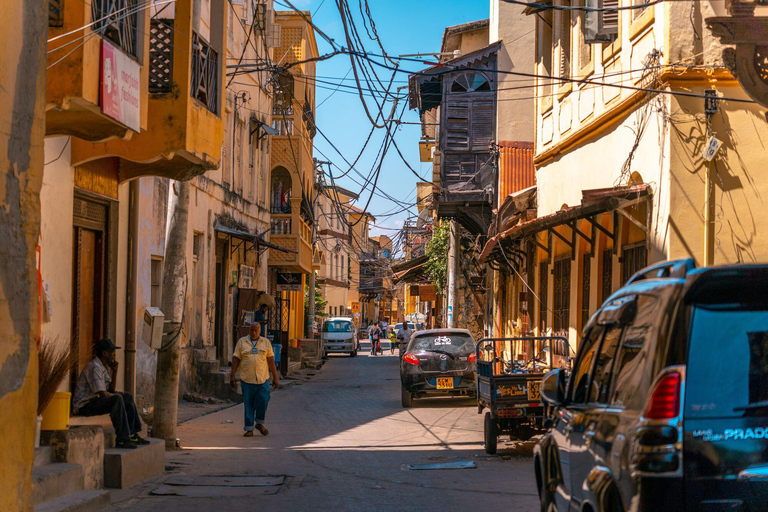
491	433
407	398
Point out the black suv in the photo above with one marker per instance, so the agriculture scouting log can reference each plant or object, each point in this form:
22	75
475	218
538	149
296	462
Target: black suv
667	406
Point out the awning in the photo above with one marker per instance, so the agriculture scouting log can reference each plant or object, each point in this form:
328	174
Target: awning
247	237
594	202
410	271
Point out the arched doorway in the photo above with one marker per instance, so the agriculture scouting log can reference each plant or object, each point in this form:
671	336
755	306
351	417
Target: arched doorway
280	190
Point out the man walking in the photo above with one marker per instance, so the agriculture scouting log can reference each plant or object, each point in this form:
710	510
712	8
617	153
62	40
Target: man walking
255	359
95	395
375	337
404	336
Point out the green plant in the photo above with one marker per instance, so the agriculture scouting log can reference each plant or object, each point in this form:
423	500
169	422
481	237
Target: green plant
55	361
437	255
320	303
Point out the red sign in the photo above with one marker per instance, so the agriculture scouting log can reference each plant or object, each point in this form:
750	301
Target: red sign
120	86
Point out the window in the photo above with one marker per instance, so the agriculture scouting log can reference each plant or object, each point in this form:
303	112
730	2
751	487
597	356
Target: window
156	281
118	21
579	383
470	81
197	245
585	49
545	55
632	376
727	362
543	285
586	269
601	379
602	26
633	259
562	297
607	276
564	41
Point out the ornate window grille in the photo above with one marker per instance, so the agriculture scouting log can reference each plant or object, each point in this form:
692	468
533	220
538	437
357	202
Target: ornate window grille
118	21
205	74
161	56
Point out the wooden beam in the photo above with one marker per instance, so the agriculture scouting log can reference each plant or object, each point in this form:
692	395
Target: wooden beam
561	237
576	230
597	225
536	242
633	220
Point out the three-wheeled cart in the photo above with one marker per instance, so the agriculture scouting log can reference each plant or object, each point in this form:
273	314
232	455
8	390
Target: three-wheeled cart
509	372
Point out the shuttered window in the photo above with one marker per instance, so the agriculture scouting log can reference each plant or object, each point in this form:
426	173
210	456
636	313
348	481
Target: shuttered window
457	123
564	41
481	128
609	19
601	26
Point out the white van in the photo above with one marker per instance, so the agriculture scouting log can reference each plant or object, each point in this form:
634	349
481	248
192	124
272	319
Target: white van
339	335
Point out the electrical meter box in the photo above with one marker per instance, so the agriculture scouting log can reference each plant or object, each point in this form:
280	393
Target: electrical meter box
153	327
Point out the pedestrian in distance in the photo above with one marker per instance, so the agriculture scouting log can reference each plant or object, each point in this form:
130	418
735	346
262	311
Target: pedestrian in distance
404	336
255	360
261	317
95	395
392	343
375	337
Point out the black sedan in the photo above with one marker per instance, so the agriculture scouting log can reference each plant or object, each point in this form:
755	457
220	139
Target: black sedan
438	362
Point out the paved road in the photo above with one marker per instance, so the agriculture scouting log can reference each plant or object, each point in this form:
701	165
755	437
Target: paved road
345	442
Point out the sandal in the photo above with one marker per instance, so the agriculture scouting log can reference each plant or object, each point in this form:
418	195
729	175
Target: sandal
261	428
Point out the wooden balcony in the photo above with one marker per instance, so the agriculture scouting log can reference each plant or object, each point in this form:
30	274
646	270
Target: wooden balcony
113	45
290	231
185	97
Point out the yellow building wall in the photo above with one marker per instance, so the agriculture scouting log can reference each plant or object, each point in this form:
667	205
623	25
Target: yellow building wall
739	174
22	101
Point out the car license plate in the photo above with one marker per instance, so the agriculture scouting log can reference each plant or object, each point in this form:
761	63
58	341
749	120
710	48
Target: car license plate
445	383
533	390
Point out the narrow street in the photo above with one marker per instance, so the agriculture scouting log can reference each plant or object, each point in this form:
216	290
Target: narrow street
344	442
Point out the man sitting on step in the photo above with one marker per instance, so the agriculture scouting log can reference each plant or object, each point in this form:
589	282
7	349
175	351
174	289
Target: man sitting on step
95	395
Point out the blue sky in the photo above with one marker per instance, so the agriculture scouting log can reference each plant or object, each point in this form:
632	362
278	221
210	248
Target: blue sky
405	27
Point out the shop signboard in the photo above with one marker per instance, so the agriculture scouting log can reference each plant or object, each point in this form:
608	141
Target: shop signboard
288	282
355	308
427	292
120	86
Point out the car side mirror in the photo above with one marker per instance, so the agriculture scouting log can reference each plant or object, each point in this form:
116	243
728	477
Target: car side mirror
553	388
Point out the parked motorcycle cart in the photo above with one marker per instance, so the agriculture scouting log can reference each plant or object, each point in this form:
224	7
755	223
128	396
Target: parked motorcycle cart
509	372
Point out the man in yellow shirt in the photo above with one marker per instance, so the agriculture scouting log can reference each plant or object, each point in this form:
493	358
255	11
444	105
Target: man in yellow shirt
254	358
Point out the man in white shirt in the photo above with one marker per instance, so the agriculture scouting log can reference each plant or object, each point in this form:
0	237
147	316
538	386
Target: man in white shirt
404	336
255	359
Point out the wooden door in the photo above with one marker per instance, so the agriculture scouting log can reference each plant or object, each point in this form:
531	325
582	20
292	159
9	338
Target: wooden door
88	291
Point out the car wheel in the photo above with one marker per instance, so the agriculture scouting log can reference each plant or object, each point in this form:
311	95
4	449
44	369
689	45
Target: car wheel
407	398
491	434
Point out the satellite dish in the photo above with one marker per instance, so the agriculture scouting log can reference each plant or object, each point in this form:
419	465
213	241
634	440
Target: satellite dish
423	218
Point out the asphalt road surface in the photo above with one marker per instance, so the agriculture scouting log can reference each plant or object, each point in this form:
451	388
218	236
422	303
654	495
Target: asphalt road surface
341	441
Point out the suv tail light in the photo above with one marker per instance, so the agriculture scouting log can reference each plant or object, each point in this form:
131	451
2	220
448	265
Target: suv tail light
472	358
411	359
665	399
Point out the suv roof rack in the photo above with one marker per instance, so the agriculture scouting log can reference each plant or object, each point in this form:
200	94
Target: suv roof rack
665	270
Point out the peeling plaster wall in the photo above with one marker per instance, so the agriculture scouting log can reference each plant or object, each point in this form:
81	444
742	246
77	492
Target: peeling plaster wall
22	101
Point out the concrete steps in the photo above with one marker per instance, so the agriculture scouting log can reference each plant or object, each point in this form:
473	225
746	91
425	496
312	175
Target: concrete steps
124	468
54	480
81	501
43	456
213	380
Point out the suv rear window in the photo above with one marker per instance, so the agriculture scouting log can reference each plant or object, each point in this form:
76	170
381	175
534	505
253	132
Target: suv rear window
448	342
727	363
338	326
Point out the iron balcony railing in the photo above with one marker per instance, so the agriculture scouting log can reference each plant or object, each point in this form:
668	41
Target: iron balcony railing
205	74
160	56
118	21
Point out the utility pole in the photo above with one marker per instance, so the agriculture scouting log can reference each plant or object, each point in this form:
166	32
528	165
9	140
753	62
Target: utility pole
451	275
174	298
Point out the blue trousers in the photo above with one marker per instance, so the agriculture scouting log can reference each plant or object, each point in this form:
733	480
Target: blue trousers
255	400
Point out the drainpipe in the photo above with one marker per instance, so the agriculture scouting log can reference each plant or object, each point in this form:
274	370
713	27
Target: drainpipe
451	313
132	283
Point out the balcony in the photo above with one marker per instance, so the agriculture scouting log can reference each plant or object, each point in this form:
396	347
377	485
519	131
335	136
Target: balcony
290	231
112	45
185	76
